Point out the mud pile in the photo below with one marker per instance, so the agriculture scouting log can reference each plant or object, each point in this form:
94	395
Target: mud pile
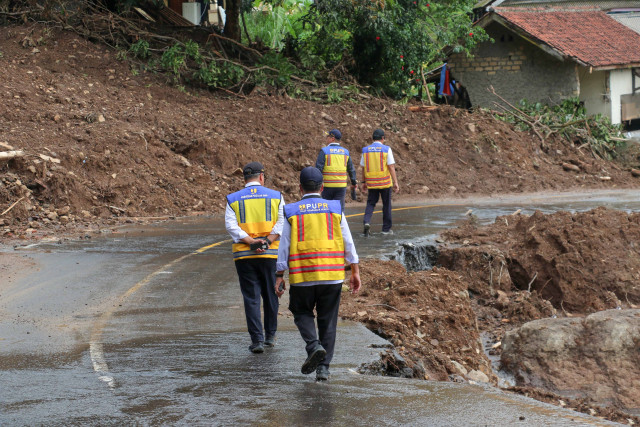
579	262
104	141
557	268
426	315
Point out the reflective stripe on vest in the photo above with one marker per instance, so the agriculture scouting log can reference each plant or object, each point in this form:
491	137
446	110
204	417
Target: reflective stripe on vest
376	170
256	209
334	172
317	247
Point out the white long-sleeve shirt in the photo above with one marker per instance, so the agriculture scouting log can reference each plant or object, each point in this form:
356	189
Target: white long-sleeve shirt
350	254
237	233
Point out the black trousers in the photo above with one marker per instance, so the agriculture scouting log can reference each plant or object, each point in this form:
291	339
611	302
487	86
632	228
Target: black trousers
372	199
257	281
326	301
335	193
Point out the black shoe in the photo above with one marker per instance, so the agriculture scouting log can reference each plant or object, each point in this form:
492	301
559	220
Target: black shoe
314	359
322	373
367	227
270	341
256	347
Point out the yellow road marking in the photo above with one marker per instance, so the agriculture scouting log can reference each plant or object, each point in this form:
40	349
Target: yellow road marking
96	350
411	207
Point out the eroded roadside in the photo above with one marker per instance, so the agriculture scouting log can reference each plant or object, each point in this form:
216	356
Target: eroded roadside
492	280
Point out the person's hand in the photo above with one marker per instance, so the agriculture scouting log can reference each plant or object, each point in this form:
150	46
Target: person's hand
364	188
354	282
279	281
396	187
259	250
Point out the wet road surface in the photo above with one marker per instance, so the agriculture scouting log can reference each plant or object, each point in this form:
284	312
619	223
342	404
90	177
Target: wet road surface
142	328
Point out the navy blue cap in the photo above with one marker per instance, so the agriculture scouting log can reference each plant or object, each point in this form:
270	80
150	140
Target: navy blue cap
378	134
335	133
310	173
253	168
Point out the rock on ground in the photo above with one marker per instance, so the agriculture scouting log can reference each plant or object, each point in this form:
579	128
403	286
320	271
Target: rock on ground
597	356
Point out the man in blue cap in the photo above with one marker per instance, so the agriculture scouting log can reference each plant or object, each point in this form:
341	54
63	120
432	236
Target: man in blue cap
314	245
335	164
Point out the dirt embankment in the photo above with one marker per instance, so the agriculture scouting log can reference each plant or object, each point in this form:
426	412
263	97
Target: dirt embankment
493	279
105	142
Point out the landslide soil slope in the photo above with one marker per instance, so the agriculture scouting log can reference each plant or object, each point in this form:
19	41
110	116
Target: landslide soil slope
132	145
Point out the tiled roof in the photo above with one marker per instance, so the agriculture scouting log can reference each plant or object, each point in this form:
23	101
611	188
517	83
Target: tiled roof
591	37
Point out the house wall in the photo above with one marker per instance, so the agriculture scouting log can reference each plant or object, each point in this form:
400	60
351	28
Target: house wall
594	91
620	84
516	68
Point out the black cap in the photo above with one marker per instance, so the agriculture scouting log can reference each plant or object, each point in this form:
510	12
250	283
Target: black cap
252	168
310	173
378	134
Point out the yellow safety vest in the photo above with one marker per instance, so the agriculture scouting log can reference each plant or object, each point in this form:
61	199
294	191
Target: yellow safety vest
376	171
256	209
334	172
317	248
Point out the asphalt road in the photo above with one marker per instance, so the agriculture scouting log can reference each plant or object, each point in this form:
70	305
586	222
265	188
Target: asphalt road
146	327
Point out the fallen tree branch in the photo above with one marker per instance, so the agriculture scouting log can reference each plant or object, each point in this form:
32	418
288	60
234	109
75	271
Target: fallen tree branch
7	155
382	305
11	207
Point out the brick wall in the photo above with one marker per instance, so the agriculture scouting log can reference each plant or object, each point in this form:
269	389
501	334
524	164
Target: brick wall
516	68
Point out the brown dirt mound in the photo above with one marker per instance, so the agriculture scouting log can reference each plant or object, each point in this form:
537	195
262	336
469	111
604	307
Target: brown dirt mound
580	262
129	145
427	315
523	268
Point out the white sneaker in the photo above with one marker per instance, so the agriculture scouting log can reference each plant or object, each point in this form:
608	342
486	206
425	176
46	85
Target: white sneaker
387	232
367	227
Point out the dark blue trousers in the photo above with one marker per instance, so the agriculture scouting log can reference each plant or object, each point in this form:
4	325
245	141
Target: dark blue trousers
372	199
335	193
257	281
326	301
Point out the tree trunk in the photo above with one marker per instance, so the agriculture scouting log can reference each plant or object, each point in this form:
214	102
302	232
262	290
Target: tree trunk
232	26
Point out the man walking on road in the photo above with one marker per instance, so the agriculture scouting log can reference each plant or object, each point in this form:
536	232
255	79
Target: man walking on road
254	219
379	173
315	243
335	163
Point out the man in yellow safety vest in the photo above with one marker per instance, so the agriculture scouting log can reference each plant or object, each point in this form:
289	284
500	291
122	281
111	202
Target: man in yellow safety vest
314	246
379	172
335	164
254	219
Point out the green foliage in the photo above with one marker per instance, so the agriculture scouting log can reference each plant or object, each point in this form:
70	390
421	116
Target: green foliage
140	49
387	42
173	60
279	78
273	24
192	50
219	75
570	120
